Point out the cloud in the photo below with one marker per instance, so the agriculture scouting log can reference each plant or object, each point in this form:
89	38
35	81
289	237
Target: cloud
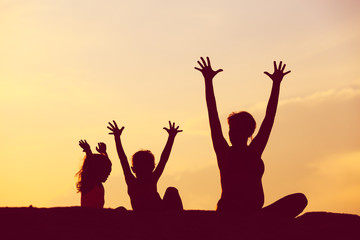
336	178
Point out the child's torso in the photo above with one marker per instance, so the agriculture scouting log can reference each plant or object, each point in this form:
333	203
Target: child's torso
144	195
94	198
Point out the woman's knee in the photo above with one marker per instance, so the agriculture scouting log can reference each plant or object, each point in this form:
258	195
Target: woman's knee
301	199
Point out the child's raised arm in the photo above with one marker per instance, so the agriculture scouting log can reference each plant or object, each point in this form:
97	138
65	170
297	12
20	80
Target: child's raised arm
86	147
123	159
172	131
101	148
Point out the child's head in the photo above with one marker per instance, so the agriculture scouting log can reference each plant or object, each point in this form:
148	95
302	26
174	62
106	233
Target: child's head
96	169
143	163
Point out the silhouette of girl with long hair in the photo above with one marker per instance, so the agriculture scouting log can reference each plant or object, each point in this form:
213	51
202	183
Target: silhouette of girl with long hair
142	185
94	171
241	167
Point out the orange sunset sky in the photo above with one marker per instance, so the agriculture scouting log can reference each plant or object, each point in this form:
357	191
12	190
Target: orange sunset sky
69	67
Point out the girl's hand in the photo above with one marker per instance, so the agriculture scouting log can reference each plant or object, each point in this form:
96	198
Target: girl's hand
84	145
206	69
101	148
172	130
278	74
114	129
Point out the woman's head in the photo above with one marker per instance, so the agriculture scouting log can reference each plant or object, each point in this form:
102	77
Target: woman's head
241	127
143	163
95	169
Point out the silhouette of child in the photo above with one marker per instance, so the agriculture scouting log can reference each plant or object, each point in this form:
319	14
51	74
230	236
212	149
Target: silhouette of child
142	187
94	171
241	167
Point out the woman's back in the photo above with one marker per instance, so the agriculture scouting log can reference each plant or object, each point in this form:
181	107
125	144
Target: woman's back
241	174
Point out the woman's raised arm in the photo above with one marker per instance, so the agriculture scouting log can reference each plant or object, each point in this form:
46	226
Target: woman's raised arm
218	139
261	139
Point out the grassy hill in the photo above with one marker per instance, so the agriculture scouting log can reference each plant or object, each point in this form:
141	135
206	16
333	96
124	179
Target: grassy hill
82	223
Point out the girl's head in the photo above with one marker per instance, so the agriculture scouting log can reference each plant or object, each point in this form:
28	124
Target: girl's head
95	170
143	163
241	127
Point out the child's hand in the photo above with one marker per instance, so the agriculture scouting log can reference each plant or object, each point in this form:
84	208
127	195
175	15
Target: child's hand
206	69
114	129
101	148
84	145
172	130
278	74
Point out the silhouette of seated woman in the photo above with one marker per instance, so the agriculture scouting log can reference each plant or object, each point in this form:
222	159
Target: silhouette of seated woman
95	170
241	167
142	187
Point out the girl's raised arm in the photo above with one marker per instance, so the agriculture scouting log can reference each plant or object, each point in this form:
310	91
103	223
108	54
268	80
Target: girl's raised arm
86	147
101	148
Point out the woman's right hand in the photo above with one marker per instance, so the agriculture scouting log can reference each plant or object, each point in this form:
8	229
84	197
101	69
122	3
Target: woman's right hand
206	69
114	129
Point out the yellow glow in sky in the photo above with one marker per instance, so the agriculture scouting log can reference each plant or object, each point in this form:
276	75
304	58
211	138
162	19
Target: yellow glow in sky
67	68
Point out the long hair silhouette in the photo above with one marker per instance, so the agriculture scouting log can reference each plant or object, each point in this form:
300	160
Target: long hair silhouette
94	171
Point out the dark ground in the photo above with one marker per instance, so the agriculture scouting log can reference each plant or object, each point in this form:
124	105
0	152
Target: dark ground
81	223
